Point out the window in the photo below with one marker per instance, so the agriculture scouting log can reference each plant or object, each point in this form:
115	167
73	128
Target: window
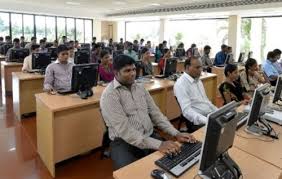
50	29
148	30
17	23
40	27
4	24
70	28
88	31
61	27
80	30
28	25
213	32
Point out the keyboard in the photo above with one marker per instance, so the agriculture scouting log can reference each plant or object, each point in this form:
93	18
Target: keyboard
178	164
242	119
276	107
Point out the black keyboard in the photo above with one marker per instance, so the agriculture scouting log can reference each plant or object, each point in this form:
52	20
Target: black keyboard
242	118
178	164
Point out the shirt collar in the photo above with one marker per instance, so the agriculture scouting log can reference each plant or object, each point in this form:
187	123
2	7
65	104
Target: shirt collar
188	77
117	84
58	62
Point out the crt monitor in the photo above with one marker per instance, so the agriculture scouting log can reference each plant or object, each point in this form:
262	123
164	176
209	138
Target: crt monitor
40	61
241	57
170	67
18	55
82	56
278	89
54	53
219	137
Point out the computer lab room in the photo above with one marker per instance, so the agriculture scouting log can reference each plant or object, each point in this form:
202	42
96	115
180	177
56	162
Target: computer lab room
152	89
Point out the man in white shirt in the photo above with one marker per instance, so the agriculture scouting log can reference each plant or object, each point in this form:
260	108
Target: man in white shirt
191	95
27	64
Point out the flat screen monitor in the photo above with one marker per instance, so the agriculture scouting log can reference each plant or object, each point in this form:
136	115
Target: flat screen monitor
170	67
278	89
40	61
18	55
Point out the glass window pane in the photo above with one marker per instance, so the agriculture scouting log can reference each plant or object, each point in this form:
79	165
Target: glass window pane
40	27
28	27
16	20
4	24
50	29
79	30
136	31
88	31
61	27
70	28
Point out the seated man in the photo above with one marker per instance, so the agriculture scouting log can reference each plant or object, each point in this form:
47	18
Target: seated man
206	61
58	74
220	57
191	95
27	65
16	43
130	52
130	114
269	68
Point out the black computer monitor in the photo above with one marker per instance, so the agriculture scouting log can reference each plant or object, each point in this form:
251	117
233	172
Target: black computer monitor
278	89
85	45
82	56
241	57
228	58
84	77
170	67
257	109
219	137
18	55
40	61
54	53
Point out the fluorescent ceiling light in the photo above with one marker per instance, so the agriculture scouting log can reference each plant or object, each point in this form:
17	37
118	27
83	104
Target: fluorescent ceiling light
119	2
73	3
12	149
155	4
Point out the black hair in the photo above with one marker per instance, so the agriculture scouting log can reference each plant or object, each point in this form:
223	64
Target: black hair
22	37
55	41
207	47
121	39
161	46
42	41
34	46
33	38
249	63
76	41
165	51
193	45
16	40
1	38
144	50
188	61
95	46
164	41
62	48
142	40
104	53
8	37
229	47
93	38
277	52
180	45
229	68
63	37
223	46
271	55
121	61
71	41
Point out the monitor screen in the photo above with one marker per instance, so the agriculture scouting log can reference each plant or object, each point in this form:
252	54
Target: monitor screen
54	53
82	57
18	55
170	67
241	57
278	89
40	61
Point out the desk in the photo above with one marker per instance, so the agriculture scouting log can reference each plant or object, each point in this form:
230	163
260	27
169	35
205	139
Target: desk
6	75
251	166
68	126
25	86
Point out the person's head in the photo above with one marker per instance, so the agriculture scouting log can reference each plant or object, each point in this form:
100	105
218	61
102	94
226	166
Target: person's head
97	48
94	39
224	48
71	52
8	39
135	42
164	43
42	43
277	53
166	53
129	46
145	53
207	49
55	43
22	39
141	41
161	46
148	44
76	44
124	69
193	46
271	56
34	48
1	39
251	66
45	39
121	40
64	39
105	57
16	42
231	72
63	53
111	41
71	43
193	66
33	40
229	49
181	45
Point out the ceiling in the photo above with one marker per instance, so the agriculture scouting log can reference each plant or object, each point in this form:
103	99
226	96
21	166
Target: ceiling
103	8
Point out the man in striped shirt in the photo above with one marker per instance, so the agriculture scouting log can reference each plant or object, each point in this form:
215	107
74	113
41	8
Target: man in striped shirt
131	114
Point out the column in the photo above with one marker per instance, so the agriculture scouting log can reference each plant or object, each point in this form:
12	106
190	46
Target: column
163	30
234	34
256	37
97	26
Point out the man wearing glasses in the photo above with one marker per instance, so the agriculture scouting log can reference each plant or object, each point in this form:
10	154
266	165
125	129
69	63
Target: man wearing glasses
191	95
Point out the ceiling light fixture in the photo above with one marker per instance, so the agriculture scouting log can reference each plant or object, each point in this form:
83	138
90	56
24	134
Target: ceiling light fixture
73	3
155	4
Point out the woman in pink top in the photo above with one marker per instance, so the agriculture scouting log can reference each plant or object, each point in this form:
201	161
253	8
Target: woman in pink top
105	69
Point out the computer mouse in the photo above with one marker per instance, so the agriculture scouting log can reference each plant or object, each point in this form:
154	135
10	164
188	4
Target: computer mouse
159	174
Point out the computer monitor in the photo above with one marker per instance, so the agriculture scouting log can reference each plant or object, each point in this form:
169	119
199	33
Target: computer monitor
48	45
241	57
278	89
54	53
84	77
228	58
170	67
139	68
18	55
85	45
257	109
180	52
40	61
219	137
82	56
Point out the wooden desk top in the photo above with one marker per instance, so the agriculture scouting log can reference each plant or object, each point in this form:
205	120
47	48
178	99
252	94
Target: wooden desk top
4	63
27	76
251	166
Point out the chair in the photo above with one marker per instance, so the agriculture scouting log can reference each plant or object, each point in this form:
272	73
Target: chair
105	141
191	127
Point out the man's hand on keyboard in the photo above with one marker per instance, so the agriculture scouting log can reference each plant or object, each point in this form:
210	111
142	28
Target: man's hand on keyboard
185	137
168	147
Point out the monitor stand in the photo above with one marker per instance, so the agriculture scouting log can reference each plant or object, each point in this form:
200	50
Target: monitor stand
254	130
84	93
